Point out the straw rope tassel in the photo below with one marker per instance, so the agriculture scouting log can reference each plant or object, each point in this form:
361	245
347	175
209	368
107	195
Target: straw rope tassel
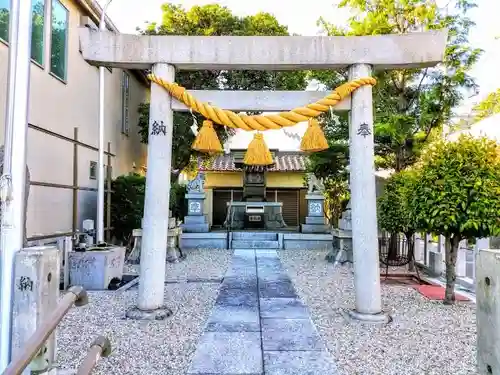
258	153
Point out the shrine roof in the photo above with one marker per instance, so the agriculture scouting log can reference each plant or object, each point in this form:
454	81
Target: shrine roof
285	161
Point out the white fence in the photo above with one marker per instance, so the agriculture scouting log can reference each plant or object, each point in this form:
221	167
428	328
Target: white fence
431	255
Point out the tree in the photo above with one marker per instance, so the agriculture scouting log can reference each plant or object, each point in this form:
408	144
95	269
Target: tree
489	106
127	204
207	20
457	195
394	209
411	105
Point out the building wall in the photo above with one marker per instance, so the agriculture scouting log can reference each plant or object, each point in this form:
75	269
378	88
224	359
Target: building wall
60	106
273	179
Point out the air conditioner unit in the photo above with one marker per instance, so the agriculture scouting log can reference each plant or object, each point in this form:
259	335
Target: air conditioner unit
86	21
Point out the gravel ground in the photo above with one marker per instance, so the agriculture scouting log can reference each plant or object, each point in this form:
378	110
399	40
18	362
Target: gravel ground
209	264
139	347
425	338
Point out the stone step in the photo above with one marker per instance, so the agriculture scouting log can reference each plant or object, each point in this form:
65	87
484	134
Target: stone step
257	244
195	228
255	236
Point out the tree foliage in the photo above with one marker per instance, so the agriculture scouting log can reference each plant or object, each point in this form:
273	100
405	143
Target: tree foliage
216	20
394	210
411	105
489	106
127	204
457	194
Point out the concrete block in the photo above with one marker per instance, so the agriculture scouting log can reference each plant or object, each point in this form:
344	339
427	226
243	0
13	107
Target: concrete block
94	269
208	243
290	335
234	353
307	237
436	264
280	240
315	220
36	295
461	266
195	228
488	311
211	240
195	219
299	363
308	245
257	244
315	205
254	236
315	228
130	51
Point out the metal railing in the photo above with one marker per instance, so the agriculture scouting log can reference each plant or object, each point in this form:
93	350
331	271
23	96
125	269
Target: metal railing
101	347
76	295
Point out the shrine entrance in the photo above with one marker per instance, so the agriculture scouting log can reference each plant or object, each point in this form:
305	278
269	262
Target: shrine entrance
163	55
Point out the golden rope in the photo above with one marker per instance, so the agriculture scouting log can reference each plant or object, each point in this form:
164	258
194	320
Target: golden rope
262	122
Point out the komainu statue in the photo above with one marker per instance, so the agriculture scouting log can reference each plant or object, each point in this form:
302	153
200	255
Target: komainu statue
315	185
197	184
26	193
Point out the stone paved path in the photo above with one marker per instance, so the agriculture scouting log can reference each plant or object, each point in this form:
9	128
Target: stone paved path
259	326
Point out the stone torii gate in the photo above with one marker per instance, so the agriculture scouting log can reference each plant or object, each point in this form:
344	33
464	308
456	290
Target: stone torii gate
166	54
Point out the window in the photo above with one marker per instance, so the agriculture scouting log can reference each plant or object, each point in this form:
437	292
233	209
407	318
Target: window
37	32
4	19
59	40
93	170
125	102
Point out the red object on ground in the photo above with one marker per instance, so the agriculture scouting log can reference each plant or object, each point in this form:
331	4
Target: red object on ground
436	293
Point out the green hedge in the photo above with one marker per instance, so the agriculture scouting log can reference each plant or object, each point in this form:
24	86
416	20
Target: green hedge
127	204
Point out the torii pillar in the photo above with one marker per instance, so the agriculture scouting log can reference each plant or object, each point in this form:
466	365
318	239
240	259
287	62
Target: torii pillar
364	202
360	54
150	303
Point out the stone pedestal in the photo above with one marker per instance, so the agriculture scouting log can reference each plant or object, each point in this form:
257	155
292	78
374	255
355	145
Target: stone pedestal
273	215
195	221
342	240
174	254
315	220
342	247
95	268
36	295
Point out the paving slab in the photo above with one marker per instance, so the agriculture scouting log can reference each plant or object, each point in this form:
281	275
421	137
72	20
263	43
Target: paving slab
228	353
286	308
240	282
237	297
281	287
290	335
259	318
299	363
226	318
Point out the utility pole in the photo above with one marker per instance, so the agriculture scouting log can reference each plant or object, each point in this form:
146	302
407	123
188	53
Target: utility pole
12	182
100	162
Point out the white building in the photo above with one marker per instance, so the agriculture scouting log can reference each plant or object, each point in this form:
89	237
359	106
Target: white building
64	96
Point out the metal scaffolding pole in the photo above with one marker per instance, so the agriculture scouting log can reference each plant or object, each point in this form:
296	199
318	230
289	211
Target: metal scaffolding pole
12	182
100	172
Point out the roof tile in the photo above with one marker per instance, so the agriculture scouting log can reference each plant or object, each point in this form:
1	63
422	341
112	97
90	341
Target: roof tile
285	161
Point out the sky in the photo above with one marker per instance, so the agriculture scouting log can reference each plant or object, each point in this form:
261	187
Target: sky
129	14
